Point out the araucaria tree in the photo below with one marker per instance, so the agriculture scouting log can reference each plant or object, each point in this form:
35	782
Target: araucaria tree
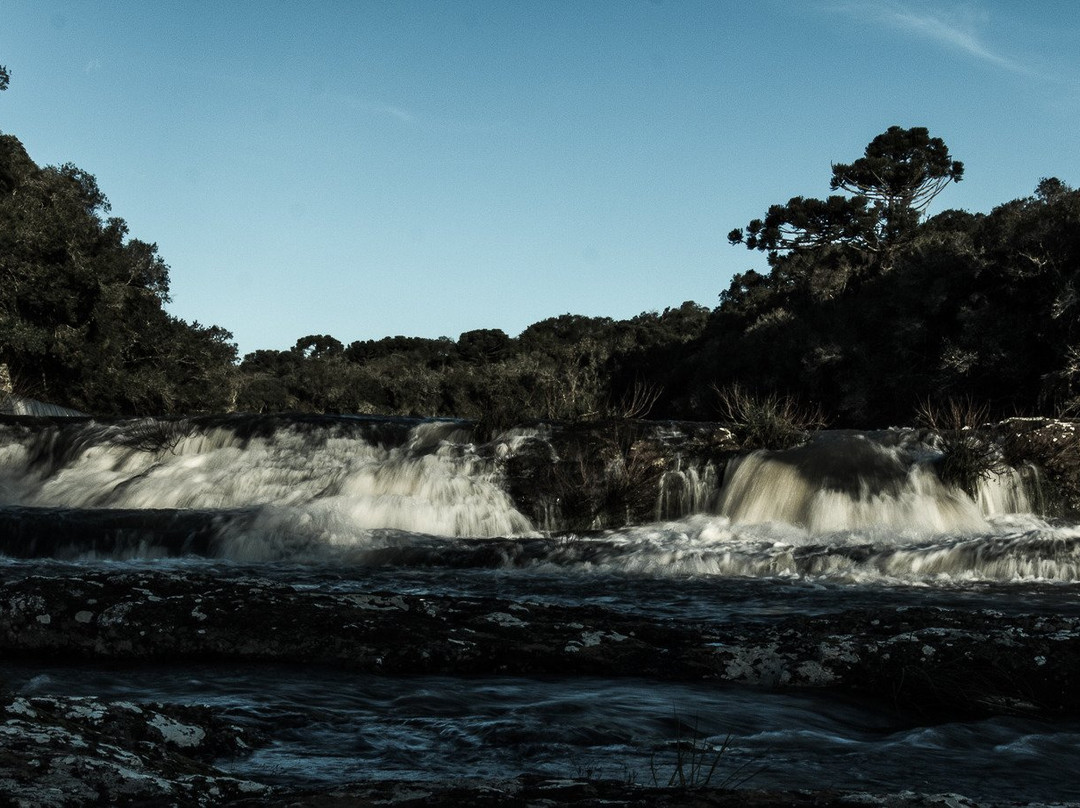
889	187
900	173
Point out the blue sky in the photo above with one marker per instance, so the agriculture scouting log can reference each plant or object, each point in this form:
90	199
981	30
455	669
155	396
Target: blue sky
367	169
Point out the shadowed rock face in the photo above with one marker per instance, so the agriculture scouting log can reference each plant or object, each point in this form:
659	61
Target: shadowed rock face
927	661
1054	446
536	792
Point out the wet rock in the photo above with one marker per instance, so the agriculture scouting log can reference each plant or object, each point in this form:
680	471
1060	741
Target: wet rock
926	661
538	792
594	475
83	751
147	616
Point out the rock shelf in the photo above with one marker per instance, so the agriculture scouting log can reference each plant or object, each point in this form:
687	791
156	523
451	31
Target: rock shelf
927	661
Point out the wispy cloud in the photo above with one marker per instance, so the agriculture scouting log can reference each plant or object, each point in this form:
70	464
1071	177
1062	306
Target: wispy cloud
953	26
387	110
376	109
419	119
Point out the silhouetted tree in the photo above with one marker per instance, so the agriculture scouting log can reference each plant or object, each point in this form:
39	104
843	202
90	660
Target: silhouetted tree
891	185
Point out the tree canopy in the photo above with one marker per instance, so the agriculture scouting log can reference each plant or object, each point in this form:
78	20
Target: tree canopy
900	173
890	187
82	321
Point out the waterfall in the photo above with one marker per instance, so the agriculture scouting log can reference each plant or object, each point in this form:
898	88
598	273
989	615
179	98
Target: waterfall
298	481
853	481
686	489
259	488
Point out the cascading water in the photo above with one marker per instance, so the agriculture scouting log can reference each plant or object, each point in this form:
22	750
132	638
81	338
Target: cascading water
289	489
373	491
687	489
845	525
846	481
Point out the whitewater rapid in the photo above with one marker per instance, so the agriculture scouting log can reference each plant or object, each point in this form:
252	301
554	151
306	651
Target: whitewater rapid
854	525
849	506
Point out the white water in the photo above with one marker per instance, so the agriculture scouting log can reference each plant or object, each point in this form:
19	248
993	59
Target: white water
854	523
319	487
764	489
847	507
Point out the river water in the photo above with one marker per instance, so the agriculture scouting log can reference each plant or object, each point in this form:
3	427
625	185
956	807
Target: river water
859	522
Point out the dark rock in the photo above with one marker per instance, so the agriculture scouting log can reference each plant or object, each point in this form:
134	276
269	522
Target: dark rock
83	751
1053	446
594	475
927	661
538	792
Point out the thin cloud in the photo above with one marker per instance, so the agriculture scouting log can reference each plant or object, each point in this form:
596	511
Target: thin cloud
382	110
388	110
376	109
935	25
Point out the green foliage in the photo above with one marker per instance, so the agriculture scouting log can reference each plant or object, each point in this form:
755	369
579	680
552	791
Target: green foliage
5	78
899	174
593	476
803	224
870	320
483	345
864	308
318	346
81	317
565	368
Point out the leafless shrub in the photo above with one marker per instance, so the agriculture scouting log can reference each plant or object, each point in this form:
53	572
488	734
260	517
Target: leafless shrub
967	456
153	435
767	421
637	402
697	762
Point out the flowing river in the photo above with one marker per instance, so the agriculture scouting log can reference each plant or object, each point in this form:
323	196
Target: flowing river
854	521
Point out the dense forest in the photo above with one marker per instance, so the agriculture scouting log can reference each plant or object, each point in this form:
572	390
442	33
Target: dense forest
864	310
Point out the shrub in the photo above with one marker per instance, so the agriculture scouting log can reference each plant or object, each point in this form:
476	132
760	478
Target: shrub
766	421
966	456
697	762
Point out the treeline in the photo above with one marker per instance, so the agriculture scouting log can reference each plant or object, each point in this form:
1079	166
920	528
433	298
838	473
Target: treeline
972	307
865	309
566	368
869	310
866	312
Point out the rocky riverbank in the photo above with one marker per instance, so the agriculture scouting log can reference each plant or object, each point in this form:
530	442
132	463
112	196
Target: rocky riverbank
926	663
73	752
929	661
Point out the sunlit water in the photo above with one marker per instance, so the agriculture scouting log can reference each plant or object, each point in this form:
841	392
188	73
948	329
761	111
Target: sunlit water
395	506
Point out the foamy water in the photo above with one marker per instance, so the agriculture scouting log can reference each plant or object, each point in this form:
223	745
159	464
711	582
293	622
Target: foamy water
849	506
852	522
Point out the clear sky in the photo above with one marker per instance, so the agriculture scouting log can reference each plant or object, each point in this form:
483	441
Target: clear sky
366	169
